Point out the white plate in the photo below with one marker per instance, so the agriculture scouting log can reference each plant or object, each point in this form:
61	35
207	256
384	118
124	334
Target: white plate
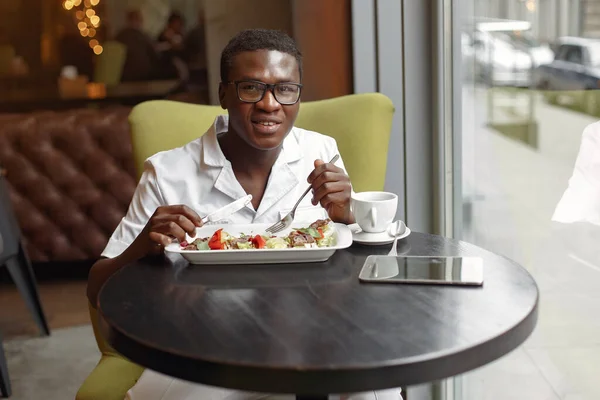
342	234
374	239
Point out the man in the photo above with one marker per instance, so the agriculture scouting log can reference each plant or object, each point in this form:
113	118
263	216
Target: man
255	150
173	33
142	57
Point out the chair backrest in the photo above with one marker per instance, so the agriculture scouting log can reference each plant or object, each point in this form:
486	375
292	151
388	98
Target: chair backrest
360	123
109	64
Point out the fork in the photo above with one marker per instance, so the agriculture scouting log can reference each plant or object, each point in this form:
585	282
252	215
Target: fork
289	218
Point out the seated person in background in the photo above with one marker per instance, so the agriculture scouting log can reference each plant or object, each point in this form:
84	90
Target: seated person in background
171	48
171	37
10	63
254	150
142	58
581	200
195	51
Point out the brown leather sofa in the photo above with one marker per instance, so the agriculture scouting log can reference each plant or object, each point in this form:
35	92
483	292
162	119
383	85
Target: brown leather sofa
71	178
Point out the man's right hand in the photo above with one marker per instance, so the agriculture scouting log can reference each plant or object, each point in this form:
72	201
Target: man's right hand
166	223
171	222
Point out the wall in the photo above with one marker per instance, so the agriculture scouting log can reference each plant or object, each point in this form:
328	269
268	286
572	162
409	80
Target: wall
221	25
323	30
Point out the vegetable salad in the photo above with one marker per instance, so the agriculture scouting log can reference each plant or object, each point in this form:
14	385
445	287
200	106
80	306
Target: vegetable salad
317	234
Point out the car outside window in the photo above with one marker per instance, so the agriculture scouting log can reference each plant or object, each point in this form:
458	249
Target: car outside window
575	55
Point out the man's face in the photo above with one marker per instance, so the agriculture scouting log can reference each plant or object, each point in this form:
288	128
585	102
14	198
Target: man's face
137	20
265	124
177	25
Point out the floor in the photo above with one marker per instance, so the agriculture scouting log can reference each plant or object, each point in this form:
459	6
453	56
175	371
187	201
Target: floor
64	302
51	368
54	367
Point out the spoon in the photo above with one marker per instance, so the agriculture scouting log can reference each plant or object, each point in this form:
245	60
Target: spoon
396	229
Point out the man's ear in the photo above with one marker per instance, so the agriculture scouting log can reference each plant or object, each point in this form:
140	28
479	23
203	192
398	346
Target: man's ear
222	94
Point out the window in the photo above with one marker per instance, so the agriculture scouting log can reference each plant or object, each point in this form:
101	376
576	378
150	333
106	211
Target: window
522	196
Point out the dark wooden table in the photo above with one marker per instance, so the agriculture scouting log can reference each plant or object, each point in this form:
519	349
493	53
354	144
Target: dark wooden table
51	98
314	329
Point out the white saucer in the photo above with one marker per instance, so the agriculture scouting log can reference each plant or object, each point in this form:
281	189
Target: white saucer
373	239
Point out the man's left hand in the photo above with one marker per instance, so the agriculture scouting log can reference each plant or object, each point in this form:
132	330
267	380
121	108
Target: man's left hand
332	188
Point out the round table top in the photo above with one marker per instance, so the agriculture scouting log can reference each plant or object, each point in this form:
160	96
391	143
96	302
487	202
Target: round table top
294	328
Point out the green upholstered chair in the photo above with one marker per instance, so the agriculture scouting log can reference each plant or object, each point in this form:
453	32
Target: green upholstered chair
361	125
113	376
109	64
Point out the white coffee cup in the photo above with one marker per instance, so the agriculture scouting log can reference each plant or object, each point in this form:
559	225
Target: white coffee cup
374	211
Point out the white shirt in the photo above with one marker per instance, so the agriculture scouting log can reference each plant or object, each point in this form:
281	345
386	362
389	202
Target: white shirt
581	200
199	176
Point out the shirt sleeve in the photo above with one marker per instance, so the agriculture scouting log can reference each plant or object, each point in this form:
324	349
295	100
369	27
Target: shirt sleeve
581	200
146	199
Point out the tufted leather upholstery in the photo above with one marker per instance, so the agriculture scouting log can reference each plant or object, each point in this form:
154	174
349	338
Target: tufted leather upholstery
71	178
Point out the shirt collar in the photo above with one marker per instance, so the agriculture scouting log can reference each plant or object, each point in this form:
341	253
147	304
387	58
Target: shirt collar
213	156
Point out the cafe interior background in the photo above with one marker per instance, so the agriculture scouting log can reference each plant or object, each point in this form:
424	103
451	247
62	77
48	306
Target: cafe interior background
491	98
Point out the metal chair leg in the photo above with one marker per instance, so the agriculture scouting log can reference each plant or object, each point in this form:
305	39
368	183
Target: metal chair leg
22	274
4	378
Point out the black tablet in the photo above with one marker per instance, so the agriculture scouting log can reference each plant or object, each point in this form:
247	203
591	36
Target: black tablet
466	271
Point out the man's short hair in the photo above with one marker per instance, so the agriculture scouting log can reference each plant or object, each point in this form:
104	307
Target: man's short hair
175	16
258	39
133	15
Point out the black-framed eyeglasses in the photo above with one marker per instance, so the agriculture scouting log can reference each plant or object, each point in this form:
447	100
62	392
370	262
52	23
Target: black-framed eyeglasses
250	91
